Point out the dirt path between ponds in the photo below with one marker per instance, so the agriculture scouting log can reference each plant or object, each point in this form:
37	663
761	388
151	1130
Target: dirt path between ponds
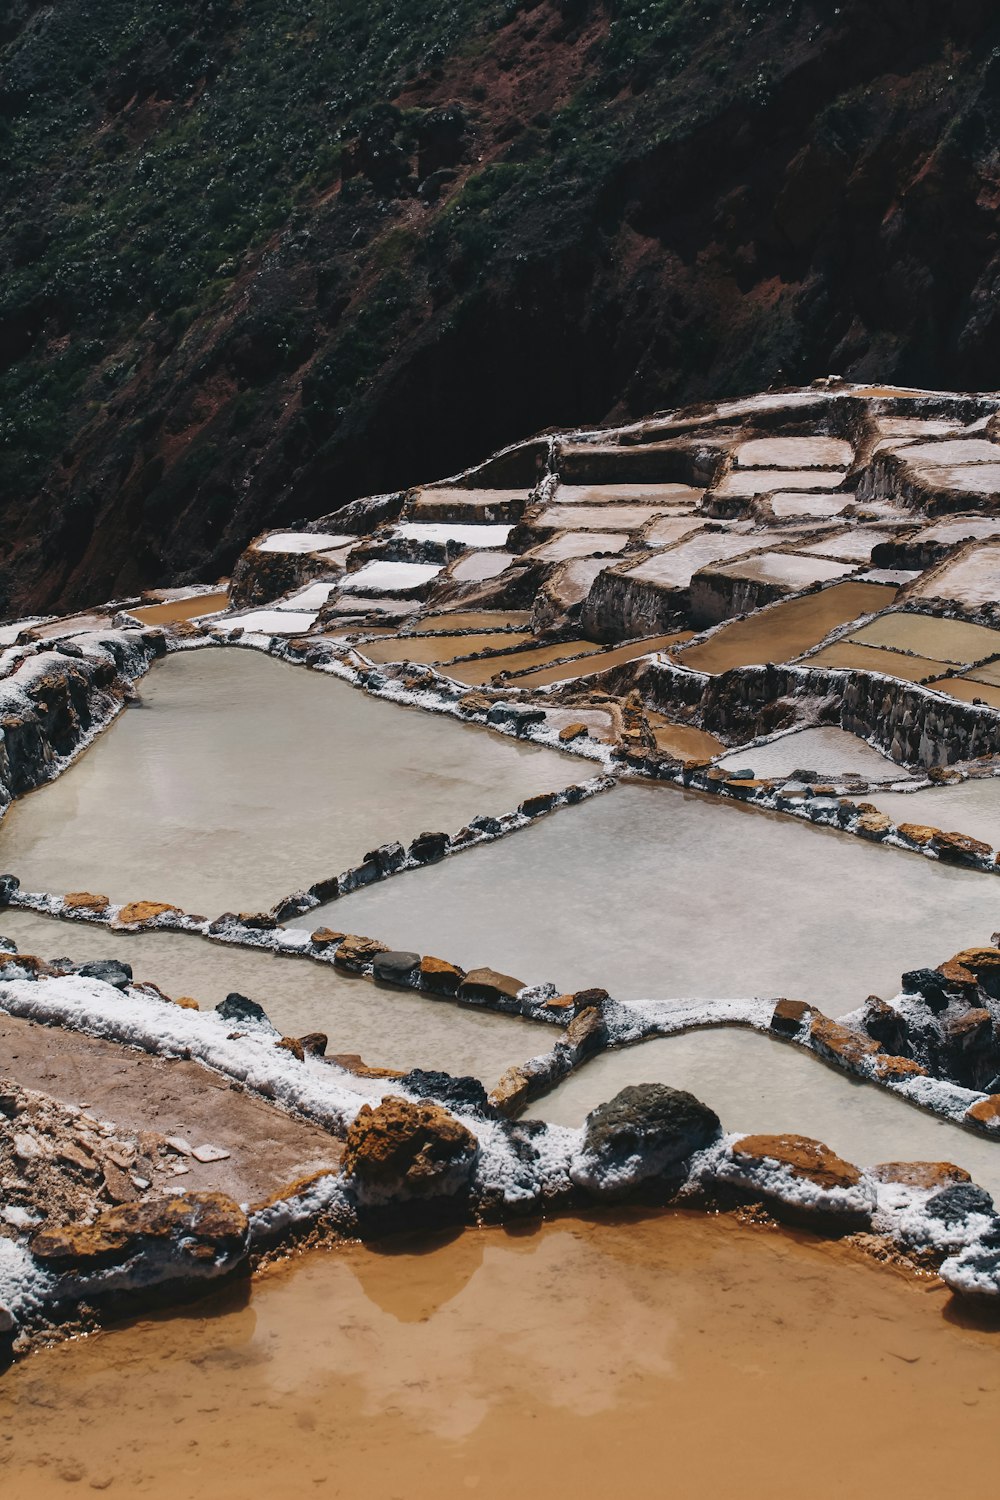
268	1148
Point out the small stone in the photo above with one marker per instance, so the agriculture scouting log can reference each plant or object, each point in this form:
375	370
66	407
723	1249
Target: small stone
646	1131
790	1016
27	1148
178	1145
918	833
887	1067
294	1046
355	953
428	847
533	807
873	825
118	1184
573	732
837	1044
210	1153
240	1008
396	967
439	976
324	936
489	987
986	1112
511	1094
956	1202
403	1149
314	1043
85	901
801	1156
109	971
187	1002
920	1174
960	849
135	912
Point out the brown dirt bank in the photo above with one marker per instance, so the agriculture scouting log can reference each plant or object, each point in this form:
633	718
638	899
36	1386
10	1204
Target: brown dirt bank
714	1357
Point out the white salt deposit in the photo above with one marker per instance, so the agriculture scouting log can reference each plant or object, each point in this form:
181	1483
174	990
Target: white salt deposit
390	577
302	541
453	531
278	621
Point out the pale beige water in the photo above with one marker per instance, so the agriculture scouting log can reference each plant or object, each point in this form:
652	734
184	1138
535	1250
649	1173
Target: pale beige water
475	619
756	1084
579	544
389	1027
761	481
972	807
784	570
970	691
787	629
601	518
945	640
820	506
855	545
241	779
670	1354
824	748
972	579
655	892
847	653
794	453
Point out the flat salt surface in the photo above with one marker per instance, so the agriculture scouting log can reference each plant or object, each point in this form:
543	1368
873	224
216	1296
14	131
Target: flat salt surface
580	544
521	661
955	451
958	528
475	566
453	531
953	641
390	576
574	579
675	568
855	545
973	580
787	629
302	541
689	1348
763	481
871	659
786	505
666	530
603	661
794	453
971	807
465	505
654	892
276	621
826	749
389	1027
433	649
313	596
784	569
601	518
973	479
241	779
627	494
757	1084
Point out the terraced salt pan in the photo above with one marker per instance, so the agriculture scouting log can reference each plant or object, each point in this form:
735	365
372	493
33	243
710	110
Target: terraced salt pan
453	531
440	648
755	1083
971	807
855	545
784	570
786	505
988	673
675	568
465	1363
602	662
313	596
390	577
600	518
303	541
958	451
272	621
666	530
475	672
787	629
580	544
973	478
794	453
628	494
654	892
871	659
188	608
476	566
972	579
970	691
960	528
242	779
953	641
825	749
683	740
389	1027
763	481
451	505
475	619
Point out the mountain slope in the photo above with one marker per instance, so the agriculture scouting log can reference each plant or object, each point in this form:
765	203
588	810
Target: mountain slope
257	259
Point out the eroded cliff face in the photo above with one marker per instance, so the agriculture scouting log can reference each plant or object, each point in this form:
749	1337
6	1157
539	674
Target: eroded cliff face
257	264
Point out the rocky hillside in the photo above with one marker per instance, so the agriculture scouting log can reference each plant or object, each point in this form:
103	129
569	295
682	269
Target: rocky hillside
257	258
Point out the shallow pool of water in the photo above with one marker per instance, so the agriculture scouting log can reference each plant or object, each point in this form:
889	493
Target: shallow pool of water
655	892
389	1027
477	672
756	1084
476	566
439	648
944	640
697	1356
787	629
873	659
603	661
181	609
241	779
825	749
973	807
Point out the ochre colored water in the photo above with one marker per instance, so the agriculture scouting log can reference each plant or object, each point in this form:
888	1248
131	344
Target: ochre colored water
969	690
673	1355
475	619
953	641
602	662
872	659
438	648
786	630
683	740
181	609
477	672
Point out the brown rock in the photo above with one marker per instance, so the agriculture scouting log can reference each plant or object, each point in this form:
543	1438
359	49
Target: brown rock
475	703
439	976
573	732
985	1112
873	825
118	1185
586	1032
839	1045
511	1094
942	775
959	848
560	1003
197	1228
314	1043
886	1067
533	807
135	912
978	960
356	952
801	1156
324	936
85	901
488	987
353	1062
920	1174
789	1016
918	833
407	1149
957	974
187	1002
294	1046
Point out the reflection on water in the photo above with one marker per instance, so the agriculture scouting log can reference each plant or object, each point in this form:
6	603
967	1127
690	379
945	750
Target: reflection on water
242	779
654	892
389	1027
552	1362
755	1083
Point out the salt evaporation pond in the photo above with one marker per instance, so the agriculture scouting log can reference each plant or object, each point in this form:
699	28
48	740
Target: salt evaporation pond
973	807
824	749
464	1366
654	892
389	1027
242	778
756	1084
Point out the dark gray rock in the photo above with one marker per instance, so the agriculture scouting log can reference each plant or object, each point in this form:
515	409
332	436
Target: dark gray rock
955	1203
9	887
427	847
456	1092
109	970
517	716
395	968
387	858
647	1130
238	1007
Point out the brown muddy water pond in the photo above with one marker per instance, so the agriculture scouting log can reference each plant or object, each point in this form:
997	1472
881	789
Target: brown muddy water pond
715	1358
477	672
874	659
173	610
440	648
388	1026
755	1083
603	661
954	641
241	778
787	629
654	892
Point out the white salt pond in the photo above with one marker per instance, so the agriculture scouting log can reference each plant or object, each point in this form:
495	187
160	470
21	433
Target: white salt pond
388	1026
390	577
826	749
973	807
756	1084
303	541
476	566
656	893
241	779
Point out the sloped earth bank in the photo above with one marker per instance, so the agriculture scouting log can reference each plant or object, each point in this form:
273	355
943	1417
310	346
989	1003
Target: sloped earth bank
699	1356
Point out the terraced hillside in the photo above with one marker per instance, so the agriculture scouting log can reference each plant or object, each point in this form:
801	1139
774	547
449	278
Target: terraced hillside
257	260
